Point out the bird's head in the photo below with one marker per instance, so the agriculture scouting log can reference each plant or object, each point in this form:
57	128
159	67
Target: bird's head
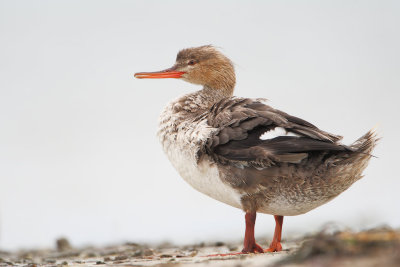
203	65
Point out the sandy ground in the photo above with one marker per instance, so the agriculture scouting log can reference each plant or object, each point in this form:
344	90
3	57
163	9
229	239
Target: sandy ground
375	247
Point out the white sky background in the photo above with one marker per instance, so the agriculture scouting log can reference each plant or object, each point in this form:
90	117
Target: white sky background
79	155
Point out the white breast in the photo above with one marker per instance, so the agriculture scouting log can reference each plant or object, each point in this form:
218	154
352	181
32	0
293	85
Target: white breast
181	140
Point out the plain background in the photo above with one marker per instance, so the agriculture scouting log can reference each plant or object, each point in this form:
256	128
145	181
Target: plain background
79	155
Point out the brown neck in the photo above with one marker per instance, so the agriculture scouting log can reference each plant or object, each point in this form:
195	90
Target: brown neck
216	89
221	82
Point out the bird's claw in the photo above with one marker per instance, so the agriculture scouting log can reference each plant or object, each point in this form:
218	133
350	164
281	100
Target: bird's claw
274	247
255	248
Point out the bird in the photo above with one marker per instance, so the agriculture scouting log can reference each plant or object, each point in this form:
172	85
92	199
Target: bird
245	153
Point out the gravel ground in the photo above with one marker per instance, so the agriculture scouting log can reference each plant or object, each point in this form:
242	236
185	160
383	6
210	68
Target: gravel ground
375	247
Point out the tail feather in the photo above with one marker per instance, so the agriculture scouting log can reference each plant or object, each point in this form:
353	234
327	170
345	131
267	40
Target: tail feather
358	159
366	143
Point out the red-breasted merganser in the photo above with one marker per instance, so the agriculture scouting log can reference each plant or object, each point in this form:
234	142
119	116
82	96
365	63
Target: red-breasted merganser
247	154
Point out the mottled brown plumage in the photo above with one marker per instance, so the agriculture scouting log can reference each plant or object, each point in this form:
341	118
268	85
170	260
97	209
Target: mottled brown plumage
221	145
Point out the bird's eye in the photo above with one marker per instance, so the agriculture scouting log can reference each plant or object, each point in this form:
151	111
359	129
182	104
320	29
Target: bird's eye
191	62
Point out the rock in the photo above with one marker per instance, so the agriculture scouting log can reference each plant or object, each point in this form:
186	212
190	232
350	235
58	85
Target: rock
121	258
219	244
148	252
132	244
233	248
63	244
193	253
91	254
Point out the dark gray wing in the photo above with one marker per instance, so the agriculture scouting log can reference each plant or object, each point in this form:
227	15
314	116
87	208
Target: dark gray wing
242	121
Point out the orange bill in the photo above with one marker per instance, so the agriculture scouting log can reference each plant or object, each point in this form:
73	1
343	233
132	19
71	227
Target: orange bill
168	73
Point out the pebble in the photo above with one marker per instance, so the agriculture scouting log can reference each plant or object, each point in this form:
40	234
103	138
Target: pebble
219	244
62	244
121	258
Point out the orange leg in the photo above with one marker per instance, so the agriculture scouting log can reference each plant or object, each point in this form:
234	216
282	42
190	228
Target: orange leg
249	244
276	241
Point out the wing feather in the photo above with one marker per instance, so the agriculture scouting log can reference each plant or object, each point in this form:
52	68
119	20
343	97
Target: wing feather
241	121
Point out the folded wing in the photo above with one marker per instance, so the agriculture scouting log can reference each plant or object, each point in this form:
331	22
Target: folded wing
242	123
